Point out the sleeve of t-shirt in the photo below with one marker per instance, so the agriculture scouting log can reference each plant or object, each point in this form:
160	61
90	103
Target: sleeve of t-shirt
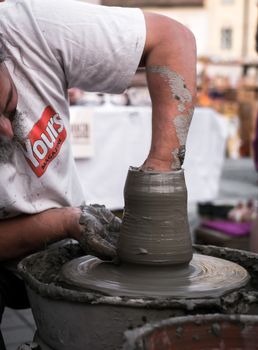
100	46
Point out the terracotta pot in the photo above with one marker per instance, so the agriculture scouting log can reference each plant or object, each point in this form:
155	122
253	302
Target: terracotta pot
155	228
218	332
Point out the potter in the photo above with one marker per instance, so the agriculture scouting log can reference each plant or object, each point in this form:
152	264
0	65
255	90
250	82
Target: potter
40	194
49	202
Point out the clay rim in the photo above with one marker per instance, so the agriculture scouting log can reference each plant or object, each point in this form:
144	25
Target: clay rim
135	337
56	292
136	170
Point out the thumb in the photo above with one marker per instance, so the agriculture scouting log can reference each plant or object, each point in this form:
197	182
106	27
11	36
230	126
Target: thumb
115	224
99	246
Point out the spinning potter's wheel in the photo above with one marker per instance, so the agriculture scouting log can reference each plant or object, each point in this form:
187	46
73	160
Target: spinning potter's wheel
155	219
157	273
205	276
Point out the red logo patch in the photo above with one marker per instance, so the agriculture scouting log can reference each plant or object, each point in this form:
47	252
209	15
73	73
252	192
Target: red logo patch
44	141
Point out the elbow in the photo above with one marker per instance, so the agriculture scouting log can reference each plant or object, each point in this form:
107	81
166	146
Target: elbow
163	31
189	38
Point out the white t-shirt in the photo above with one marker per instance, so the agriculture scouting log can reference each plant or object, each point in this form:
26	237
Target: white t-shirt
53	45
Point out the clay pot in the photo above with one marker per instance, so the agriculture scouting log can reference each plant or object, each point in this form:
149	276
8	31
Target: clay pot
155	227
196	332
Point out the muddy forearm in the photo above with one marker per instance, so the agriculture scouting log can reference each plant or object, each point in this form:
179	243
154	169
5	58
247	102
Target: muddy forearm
170	61
25	234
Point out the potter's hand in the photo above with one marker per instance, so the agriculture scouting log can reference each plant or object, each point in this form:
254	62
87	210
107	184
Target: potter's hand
152	164
100	230
164	165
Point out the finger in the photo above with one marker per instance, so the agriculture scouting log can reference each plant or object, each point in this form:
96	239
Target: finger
115	224
106	215
113	238
102	213
98	245
86	209
95	210
92	224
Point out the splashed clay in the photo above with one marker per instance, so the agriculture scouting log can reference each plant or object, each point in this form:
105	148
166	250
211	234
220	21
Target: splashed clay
182	123
176	83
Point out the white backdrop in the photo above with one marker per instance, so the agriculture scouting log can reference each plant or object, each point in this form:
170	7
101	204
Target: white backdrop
121	137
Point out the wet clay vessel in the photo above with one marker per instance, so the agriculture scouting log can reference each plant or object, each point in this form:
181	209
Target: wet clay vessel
155	228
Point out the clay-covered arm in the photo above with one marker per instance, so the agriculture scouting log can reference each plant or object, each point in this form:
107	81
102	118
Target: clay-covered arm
95	227
28	233
170	60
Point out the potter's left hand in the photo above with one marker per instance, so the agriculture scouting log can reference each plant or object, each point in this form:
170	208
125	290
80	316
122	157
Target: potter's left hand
100	230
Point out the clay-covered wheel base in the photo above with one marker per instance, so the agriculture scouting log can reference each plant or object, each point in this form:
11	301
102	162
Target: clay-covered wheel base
205	276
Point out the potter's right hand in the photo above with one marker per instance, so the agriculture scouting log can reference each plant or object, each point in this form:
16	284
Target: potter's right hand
98	231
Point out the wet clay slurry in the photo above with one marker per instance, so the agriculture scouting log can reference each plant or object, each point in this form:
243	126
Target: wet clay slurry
205	276
177	85
182	124
155	228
